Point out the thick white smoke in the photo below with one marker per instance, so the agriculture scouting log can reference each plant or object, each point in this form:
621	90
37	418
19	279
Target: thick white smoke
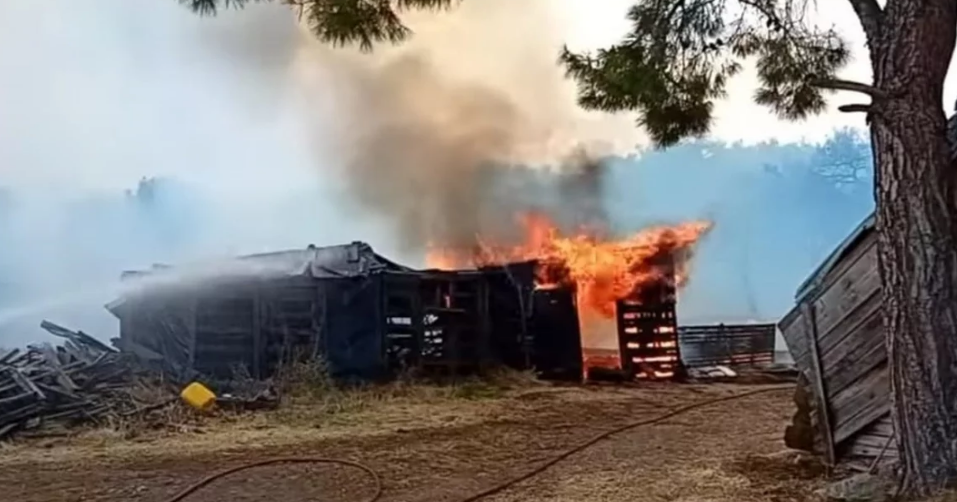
259	126
243	111
100	93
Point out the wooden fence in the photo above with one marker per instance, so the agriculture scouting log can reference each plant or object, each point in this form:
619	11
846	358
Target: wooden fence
727	344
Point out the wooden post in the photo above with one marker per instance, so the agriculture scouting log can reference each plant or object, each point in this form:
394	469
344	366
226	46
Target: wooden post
319	320
418	318
824	416
485	329
193	305
258	348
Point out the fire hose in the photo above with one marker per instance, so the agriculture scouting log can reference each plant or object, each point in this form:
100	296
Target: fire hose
377	481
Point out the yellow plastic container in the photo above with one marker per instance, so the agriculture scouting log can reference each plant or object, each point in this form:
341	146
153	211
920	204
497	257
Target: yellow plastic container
198	396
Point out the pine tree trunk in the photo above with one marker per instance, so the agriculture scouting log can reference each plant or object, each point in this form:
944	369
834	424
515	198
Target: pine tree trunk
917	224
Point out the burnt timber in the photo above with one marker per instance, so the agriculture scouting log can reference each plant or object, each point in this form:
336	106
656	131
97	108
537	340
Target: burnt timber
648	333
367	317
836	337
46	386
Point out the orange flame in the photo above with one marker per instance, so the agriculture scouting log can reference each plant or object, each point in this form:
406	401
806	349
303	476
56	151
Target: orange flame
602	271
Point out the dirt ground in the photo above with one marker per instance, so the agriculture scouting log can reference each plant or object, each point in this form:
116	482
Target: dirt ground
444	449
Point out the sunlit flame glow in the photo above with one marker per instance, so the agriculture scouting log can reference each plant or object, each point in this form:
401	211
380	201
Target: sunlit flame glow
602	271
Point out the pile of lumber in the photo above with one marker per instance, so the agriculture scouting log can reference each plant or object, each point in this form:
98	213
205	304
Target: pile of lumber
78	380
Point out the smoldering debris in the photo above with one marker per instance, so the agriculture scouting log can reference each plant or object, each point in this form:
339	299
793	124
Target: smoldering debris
44	386
46	389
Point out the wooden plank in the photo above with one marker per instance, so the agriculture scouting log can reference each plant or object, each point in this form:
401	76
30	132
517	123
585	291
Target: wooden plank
793	331
258	371
861	404
485	325
873	440
817	379
192	306
9	355
858	354
867	363
869	449
874	410
849	290
212	330
863	247
319	318
870	386
883	427
862	450
872	443
25	383
861	318
863	464
53	362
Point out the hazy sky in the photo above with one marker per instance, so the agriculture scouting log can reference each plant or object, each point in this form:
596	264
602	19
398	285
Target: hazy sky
86	81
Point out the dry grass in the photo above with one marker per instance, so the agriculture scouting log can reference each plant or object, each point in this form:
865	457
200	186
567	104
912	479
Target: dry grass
442	440
308	385
752	478
312	408
785	477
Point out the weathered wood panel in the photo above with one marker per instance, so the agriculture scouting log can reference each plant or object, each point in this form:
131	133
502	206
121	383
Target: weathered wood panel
858	353
883	427
842	296
824	419
850	336
844	310
848	260
861	404
794	331
853	329
873	445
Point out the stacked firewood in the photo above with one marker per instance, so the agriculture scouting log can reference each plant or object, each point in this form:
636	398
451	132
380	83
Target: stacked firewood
78	380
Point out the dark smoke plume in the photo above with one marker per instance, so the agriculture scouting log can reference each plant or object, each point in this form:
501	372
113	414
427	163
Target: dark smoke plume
444	137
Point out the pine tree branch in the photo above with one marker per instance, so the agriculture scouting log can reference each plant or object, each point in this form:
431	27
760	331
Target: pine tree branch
847	85
871	16
854	108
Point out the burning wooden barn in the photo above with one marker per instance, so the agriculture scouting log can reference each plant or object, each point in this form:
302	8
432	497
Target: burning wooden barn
653	346
256	311
571	309
836	337
365	315
647	325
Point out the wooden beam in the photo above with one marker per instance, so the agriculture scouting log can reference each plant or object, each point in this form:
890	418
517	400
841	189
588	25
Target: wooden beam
824	418
193	305
319	307
258	348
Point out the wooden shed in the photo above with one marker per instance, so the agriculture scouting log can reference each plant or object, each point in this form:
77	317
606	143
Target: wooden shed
835	334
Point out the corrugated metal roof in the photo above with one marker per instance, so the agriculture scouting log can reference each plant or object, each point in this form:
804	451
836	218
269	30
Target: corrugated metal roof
344	260
347	260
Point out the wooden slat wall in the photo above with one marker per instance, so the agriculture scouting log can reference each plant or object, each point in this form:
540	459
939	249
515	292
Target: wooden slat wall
876	442
852	357
727	344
